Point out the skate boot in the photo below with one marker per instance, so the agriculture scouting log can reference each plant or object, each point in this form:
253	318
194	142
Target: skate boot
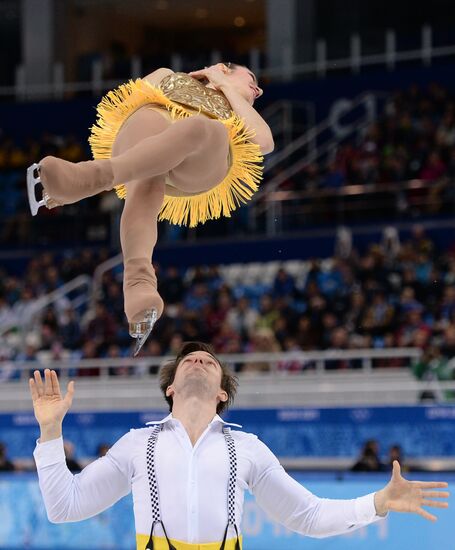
66	182
143	304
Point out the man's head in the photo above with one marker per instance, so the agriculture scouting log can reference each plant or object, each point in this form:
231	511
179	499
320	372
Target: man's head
242	79
197	372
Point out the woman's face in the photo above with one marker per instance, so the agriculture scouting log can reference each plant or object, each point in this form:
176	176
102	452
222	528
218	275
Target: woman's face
243	80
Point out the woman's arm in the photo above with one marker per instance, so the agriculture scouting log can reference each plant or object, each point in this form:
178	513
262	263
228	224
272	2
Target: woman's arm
252	118
241	106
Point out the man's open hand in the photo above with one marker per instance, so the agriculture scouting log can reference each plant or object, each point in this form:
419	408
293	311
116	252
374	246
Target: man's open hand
49	405
401	495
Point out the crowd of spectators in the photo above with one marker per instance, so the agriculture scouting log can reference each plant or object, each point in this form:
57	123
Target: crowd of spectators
12	464
385	297
412	139
370	459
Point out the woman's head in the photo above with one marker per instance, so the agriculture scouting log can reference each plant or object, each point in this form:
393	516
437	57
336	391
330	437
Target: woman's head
242	79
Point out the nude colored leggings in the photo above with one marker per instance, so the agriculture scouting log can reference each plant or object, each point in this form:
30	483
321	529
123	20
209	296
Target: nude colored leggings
193	152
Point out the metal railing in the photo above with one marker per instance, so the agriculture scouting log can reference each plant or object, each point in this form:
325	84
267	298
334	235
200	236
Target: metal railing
385	202
38	306
128	382
314	145
289	119
310	361
58	88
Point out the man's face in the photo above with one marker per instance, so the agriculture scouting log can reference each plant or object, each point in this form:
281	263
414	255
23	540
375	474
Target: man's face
198	374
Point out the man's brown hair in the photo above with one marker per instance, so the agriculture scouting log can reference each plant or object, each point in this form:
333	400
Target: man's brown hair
229	381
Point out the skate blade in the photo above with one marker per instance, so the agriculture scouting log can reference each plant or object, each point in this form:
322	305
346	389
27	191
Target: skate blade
146	328
33	178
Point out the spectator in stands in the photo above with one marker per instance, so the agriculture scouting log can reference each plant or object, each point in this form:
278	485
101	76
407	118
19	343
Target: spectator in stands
396	453
434	168
268	313
215	314
175	343
71	462
226	339
7	317
308	334
24	308
153	348
102	449
102	328
369	460
339	340
354	313
379	316
5	464
334	178
433	365
413	330
284	285
242	318
292	365
29	352
114	300
197	296
114	352
172	287
448	342
447	307
90	350
263	341
70	329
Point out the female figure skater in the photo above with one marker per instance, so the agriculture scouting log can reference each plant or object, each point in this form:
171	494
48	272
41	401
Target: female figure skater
176	146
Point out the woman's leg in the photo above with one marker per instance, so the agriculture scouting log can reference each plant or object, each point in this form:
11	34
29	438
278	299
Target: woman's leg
138	225
192	151
138	235
186	154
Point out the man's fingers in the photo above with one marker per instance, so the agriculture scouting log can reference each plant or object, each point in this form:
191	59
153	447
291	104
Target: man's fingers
39	383
435	503
33	389
435	494
69	394
396	470
48	383
430	484
55	383
426	515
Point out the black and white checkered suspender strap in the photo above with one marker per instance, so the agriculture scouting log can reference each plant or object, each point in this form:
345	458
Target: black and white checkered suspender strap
232	484
153	486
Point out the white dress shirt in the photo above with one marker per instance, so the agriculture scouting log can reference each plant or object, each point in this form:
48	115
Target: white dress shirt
192	485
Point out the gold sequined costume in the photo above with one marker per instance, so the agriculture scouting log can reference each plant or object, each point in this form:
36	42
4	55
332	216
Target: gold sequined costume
183	96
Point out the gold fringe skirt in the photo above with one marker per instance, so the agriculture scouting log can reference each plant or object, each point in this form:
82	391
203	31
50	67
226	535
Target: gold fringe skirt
240	183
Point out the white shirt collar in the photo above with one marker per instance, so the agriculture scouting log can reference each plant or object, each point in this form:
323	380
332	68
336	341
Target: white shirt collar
169	417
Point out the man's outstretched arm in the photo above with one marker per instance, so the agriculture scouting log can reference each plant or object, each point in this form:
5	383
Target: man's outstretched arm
290	504
69	497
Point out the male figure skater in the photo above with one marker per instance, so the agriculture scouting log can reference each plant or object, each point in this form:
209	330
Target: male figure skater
188	472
